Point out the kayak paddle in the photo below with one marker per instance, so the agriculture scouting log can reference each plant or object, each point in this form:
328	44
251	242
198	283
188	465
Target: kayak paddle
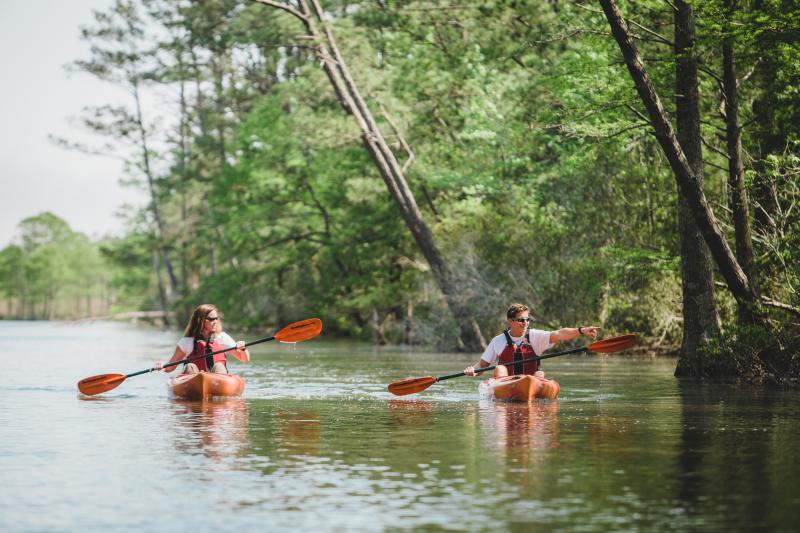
296	332
414	385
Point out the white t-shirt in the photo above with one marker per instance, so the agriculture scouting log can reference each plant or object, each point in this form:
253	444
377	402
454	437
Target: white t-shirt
539	340
186	344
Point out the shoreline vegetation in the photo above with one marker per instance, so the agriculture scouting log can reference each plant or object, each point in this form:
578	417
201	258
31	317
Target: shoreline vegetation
405	172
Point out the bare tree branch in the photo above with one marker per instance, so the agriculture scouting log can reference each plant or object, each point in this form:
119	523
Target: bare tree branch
284	6
659	38
400	138
714	149
766	300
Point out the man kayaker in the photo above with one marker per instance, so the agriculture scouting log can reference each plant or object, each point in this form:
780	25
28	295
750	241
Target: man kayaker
204	335
517	343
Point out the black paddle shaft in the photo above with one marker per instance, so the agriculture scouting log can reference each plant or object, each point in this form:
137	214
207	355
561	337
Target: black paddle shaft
192	358
528	360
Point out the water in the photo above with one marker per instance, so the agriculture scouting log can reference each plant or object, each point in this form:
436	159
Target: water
317	442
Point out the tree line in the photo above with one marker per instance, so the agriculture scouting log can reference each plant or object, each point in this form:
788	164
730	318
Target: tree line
51	272
407	169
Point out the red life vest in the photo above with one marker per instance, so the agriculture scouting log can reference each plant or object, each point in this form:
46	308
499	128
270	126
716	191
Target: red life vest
511	356
206	363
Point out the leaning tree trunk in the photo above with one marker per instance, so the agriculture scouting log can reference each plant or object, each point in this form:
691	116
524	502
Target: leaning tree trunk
700	319
731	271
736	189
392	173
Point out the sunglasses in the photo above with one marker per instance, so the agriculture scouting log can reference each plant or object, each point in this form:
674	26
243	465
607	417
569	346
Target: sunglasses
521	320
212	318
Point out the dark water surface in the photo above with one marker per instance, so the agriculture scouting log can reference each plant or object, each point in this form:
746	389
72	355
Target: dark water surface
318	443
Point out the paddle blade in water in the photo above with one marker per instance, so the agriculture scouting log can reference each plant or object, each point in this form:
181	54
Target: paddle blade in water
411	385
98	384
300	331
615	344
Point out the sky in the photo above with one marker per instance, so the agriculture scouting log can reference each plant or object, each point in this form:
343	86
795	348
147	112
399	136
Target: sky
38	97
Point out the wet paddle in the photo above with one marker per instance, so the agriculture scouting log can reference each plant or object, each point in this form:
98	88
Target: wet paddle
296	332
612	345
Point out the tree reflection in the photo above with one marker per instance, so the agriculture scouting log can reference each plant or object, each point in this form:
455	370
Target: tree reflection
727	450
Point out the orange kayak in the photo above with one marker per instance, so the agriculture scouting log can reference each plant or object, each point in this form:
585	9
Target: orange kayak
206	385
522	387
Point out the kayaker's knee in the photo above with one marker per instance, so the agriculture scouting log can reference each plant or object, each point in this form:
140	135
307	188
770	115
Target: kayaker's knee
191	368
500	371
219	368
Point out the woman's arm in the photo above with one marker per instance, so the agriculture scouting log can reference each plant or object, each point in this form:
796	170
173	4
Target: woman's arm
176	356
240	351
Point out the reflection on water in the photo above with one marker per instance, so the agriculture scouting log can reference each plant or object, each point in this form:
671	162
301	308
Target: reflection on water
216	429
736	464
521	432
298	431
605	429
520	437
317	443
411	413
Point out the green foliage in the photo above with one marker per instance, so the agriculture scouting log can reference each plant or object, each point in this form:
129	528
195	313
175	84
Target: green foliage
130	274
778	242
53	272
752	354
532	163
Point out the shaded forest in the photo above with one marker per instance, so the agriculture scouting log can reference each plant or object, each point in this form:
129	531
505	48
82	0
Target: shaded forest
405	170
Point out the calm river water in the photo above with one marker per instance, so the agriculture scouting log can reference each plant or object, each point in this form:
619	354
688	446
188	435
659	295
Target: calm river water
317	443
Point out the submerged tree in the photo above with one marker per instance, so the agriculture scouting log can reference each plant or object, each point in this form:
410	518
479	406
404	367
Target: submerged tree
689	179
700	318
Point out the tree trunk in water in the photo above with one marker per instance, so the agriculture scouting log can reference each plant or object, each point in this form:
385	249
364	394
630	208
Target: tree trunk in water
700	318
734	276
736	189
390	170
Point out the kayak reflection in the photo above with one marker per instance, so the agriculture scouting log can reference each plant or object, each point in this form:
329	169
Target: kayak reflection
411	413
298	431
215	429
521	432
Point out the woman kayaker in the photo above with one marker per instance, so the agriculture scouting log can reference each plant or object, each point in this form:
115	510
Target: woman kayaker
510	348
204	335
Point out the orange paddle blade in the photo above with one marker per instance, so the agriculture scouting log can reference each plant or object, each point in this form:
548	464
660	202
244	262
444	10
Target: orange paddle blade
300	331
102	383
411	385
614	344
